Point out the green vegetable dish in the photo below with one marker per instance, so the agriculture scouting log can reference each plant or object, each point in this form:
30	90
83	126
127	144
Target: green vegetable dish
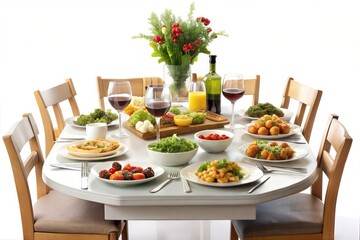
141	115
262	109
98	115
173	144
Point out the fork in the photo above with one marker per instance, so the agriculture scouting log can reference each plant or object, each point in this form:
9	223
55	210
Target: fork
171	176
285	170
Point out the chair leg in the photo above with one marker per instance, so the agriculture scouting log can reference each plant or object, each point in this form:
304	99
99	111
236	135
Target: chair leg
124	232
233	234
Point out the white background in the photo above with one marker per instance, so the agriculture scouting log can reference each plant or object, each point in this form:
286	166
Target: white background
316	42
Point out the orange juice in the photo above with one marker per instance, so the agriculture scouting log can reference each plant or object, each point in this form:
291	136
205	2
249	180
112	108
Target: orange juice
197	101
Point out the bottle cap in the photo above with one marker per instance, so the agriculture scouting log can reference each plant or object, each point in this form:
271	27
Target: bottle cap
194	77
212	59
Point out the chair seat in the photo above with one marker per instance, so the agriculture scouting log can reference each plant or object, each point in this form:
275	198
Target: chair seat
296	214
60	213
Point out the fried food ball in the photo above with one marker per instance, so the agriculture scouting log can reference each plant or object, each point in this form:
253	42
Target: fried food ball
263	131
253	129
259	123
266	117
283	153
284	145
269	124
271	156
285	128
273	144
275	130
264	154
290	152
252	150
275	117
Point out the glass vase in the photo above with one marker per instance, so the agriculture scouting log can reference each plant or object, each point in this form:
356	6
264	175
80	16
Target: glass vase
177	77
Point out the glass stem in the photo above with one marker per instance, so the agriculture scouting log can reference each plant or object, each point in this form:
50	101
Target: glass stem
120	126
157	129
232	114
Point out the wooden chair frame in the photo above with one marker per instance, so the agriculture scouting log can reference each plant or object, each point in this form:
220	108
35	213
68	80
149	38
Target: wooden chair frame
25	133
335	138
51	98
252	87
307	98
138	86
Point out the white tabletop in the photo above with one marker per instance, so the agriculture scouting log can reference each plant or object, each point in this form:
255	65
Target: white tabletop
203	202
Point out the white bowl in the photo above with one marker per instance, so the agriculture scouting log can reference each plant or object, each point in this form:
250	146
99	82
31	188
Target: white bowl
171	159
214	146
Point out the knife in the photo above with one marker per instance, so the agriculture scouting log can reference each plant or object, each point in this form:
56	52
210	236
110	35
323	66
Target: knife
84	175
186	185
258	185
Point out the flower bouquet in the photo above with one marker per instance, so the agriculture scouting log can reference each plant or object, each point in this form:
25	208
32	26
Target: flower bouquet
177	43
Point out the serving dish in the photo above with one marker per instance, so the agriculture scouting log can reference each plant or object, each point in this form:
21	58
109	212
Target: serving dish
63	151
214	146
293	130
253	174
287	114
301	151
70	122
124	183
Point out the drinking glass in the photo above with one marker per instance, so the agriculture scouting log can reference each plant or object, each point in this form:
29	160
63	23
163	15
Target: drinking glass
119	96
233	88
158	102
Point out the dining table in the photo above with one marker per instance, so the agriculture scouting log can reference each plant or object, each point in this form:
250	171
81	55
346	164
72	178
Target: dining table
203	202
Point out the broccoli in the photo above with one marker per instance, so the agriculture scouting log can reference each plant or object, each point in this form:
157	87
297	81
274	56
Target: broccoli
98	115
141	115
262	109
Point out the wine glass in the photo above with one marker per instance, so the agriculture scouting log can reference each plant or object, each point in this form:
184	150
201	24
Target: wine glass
233	88
119	96
158	102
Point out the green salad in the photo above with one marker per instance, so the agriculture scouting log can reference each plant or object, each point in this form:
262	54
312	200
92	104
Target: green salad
98	115
173	144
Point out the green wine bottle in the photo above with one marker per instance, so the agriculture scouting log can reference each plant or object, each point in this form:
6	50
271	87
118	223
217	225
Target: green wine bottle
213	87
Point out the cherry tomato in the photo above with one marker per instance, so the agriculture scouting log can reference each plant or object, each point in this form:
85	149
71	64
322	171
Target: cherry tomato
112	170
138	176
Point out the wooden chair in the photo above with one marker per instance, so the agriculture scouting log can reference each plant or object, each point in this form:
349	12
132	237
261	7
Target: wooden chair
252	87
54	215
304	215
52	98
308	100
137	86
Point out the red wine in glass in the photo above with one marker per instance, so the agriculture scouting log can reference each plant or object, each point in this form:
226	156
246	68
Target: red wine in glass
119	101
158	108
233	94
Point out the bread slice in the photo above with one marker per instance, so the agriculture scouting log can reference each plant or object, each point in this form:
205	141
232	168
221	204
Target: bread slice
215	117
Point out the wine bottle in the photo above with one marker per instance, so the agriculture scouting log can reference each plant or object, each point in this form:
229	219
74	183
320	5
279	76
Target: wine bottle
213	87
197	95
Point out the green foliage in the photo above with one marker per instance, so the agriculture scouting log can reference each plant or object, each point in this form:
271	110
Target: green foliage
195	32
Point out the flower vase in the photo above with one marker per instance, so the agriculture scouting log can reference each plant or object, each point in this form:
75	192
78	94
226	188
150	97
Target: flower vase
177	77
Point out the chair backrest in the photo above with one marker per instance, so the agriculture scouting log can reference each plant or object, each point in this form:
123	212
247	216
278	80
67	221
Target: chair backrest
308	100
252	87
52	98
337	139
137	86
25	133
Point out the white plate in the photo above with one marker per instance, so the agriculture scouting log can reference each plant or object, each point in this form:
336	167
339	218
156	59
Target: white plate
301	151
287	114
253	174
62	151
106	165
293	130
70	122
